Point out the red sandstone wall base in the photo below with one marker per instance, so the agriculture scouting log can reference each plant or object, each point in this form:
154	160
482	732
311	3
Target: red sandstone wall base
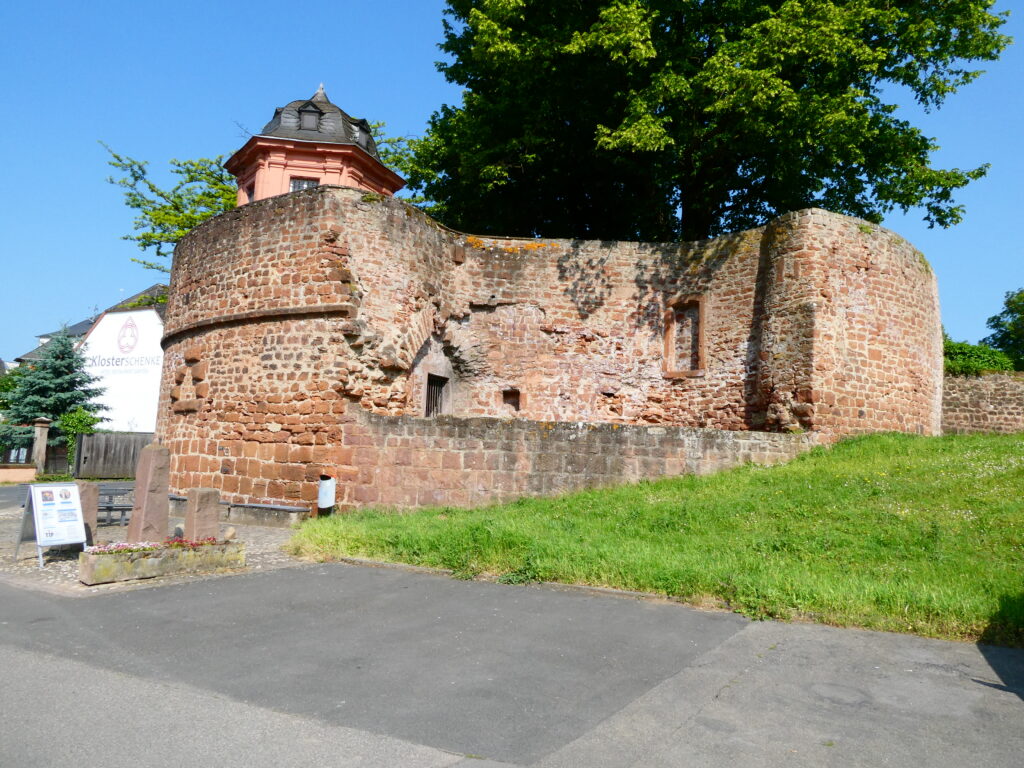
992	403
401	461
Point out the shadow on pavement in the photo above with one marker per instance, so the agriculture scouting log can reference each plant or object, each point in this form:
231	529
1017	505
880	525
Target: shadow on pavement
1002	642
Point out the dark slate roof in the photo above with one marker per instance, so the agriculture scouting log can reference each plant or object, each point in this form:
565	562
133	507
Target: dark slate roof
334	126
35	354
74	331
150	297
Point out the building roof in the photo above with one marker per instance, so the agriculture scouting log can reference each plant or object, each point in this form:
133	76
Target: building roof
140	300
334	126
153	297
35	354
74	331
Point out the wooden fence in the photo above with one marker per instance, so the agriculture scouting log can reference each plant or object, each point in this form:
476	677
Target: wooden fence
56	459
109	454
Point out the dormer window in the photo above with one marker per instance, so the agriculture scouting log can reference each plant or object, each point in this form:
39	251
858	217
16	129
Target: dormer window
309	118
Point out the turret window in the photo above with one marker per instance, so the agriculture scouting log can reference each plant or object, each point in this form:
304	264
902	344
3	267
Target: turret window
309	119
298	184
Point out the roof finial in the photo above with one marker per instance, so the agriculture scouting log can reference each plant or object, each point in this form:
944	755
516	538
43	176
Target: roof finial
320	95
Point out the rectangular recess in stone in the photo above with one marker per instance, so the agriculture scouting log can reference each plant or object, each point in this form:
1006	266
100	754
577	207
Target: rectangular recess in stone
684	337
436	386
510	397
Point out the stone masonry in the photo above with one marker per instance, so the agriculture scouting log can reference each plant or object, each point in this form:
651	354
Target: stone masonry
335	331
993	403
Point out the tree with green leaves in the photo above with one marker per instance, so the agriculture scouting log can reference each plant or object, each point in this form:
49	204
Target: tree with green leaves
203	189
75	422
51	387
1008	328
8	383
667	119
961	358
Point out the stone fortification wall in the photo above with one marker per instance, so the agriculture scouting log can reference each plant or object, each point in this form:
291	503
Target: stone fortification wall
874	362
292	318
993	403
406	461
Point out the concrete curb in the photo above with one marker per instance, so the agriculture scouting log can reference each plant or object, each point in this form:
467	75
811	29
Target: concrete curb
587	589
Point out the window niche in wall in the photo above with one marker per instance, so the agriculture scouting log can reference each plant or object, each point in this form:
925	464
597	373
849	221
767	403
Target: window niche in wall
437	395
510	399
684	337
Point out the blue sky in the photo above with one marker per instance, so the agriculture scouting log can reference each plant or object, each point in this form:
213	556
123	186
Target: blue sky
163	80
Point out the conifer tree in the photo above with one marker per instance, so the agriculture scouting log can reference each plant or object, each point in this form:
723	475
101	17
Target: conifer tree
51	387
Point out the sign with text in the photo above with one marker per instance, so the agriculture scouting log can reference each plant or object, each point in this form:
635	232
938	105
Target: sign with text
123	351
52	517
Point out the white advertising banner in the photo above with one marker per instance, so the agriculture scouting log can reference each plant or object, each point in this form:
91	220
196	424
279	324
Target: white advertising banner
52	517
57	510
123	352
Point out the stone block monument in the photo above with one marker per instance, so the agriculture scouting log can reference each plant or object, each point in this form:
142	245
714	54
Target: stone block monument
151	510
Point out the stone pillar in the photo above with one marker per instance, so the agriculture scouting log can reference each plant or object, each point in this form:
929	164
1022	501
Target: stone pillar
202	514
89	493
42	426
150	512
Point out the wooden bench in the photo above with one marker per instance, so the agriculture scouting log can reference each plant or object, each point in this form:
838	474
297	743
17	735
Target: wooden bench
115	499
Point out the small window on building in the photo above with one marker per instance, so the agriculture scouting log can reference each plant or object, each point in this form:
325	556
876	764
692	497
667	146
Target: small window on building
684	348
299	184
309	120
250	193
510	397
436	393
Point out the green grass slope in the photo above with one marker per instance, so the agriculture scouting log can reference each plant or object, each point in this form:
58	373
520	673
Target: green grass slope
895	532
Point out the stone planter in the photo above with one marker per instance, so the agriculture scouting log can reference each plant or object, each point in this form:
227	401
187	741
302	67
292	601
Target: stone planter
126	566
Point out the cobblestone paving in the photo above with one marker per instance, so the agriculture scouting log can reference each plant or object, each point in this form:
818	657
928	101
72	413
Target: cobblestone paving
263	551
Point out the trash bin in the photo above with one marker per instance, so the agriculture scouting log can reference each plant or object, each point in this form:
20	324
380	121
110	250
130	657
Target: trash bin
325	495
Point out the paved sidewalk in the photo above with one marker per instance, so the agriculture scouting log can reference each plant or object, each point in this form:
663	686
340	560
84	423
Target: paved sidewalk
263	551
351	666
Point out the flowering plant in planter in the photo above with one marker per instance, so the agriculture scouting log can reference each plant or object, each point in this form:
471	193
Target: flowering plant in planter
172	542
149	559
123	547
177	542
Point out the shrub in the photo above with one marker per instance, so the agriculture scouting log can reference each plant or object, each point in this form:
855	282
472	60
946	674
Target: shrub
964	359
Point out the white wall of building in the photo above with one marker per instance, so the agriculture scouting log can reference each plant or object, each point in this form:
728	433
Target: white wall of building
123	351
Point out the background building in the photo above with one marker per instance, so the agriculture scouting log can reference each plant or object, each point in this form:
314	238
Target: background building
122	350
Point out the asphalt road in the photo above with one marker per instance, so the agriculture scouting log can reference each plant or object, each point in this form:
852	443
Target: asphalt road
12	496
342	665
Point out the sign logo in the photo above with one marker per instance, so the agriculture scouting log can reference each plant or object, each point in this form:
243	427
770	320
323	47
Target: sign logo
128	336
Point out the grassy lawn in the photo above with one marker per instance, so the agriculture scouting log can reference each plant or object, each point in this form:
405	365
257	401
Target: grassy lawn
895	532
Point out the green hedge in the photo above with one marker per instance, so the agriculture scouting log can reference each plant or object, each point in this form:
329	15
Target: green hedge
963	359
